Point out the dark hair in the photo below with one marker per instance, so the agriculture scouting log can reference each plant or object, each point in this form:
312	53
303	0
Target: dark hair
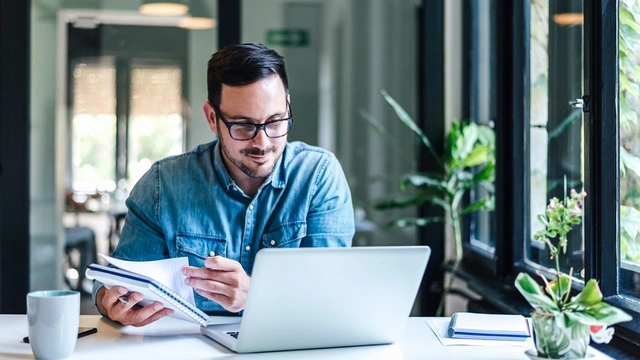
244	64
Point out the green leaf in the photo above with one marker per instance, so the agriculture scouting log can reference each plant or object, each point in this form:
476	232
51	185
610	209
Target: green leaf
405	222
629	221
379	129
627	85
629	161
558	288
531	291
485	203
627	18
408	121
488	185
486	136
543	219
464	144
590	294
607	315
419	180
486	173
581	317
477	156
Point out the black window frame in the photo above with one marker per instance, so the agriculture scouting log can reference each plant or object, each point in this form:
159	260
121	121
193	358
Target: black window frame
509	127
601	133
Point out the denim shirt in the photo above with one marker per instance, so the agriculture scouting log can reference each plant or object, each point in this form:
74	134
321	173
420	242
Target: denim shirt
188	205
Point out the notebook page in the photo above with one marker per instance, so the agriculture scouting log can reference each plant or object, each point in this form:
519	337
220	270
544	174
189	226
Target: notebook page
490	323
165	271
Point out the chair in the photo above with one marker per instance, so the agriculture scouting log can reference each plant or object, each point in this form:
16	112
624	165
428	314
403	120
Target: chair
80	251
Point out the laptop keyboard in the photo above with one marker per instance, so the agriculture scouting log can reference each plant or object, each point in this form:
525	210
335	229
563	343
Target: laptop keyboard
233	334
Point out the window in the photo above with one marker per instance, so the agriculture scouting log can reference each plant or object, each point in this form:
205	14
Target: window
567	107
126	106
155	126
93	125
629	38
555	134
482	105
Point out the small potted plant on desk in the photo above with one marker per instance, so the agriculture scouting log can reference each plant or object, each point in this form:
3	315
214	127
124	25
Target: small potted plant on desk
563	324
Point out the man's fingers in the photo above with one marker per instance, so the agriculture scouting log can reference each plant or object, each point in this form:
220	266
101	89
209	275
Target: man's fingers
155	317
139	316
120	308
225	277
112	295
224	301
221	263
210	286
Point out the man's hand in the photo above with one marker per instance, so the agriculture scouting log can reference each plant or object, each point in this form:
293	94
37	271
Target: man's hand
125	309
221	280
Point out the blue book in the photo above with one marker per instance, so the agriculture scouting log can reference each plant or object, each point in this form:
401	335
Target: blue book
465	325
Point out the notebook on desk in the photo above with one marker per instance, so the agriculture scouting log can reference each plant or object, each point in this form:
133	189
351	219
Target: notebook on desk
307	298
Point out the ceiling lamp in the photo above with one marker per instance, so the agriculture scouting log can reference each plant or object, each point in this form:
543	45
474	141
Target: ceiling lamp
568	19
163	8
200	17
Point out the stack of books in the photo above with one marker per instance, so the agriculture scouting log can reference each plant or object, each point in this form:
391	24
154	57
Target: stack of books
465	325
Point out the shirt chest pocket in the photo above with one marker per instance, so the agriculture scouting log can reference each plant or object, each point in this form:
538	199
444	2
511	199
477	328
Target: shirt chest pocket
287	235
198	247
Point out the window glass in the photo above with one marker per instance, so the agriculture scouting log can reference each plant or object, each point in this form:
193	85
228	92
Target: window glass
93	141
155	129
556	141
482	106
629	42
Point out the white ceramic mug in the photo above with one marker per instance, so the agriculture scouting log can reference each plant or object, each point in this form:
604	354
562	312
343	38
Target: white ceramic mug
53	317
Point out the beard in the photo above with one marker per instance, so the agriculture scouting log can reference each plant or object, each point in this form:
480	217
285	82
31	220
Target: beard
259	172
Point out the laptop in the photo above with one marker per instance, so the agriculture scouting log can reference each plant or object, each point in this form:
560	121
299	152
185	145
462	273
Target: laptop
309	298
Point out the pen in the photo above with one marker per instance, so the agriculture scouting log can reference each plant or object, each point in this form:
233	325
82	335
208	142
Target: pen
123	299
80	334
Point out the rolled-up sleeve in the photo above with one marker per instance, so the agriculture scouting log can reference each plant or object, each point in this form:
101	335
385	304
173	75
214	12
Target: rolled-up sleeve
330	221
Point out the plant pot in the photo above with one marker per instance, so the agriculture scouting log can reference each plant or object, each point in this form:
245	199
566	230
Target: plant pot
554	340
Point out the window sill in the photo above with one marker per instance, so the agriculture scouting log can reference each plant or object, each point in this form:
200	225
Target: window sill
500	294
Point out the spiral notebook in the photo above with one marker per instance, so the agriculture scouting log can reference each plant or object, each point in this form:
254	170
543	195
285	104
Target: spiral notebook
152	290
503	327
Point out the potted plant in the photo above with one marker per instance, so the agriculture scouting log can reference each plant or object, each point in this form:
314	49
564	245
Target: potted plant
563	324
468	161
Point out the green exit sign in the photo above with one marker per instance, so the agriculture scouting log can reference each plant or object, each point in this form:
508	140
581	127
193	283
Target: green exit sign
288	37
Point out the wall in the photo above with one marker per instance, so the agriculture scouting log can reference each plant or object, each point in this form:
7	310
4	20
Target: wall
453	110
203	43
45	218
364	46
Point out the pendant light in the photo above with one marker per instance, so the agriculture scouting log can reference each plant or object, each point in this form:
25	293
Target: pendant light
199	18
163	8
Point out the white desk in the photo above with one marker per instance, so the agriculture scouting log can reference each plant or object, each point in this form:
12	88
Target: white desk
176	339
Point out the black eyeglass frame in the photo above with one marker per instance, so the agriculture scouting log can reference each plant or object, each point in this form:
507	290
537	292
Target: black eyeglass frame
257	127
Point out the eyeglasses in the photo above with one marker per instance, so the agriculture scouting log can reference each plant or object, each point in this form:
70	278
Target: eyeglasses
248	131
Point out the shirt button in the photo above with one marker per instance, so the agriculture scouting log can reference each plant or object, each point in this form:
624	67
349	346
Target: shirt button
250	207
212	253
248	248
273	242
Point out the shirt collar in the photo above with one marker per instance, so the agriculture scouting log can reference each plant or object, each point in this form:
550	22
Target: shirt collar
276	178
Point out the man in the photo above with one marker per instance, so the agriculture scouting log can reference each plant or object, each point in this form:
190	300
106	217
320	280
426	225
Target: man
222	202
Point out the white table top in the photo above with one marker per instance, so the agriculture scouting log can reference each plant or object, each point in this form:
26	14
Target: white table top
175	339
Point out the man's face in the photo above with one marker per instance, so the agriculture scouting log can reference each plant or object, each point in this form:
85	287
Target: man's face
257	103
